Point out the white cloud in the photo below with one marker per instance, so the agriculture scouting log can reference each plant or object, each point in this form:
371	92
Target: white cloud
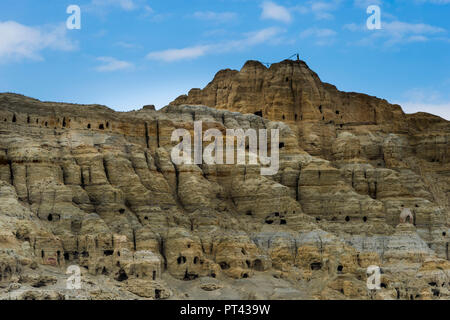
398	32
322	36
127	45
215	32
215	16
401	32
321	10
434	1
258	37
127	5
354	27
417	38
440	109
112	64
179	54
317	32
425	95
273	11
430	100
18	41
250	39
148	10
401	28
152	15
104	7
366	3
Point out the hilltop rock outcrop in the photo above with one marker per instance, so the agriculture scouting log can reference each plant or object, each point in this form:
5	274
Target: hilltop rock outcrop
85	186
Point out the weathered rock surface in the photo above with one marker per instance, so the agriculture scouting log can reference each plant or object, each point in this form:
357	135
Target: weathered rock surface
87	186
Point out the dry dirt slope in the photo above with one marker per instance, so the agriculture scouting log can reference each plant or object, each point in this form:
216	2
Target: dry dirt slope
87	186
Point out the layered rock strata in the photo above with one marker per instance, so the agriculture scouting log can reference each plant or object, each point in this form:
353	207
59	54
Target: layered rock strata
83	185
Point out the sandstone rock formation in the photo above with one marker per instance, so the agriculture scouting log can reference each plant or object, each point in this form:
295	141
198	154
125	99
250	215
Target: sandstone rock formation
360	183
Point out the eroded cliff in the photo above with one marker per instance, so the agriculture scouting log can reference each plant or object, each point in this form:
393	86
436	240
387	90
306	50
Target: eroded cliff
87	186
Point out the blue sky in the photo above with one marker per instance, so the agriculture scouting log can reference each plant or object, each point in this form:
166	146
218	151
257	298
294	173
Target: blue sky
129	53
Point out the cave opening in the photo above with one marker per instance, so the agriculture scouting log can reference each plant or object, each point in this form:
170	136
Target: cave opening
108	252
447	251
181	259
257	265
316	266
190	276
122	276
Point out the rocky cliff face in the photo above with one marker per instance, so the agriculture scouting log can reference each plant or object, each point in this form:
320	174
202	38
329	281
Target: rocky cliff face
87	186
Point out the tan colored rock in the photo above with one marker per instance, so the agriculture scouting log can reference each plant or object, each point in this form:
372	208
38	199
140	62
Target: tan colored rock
87	186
